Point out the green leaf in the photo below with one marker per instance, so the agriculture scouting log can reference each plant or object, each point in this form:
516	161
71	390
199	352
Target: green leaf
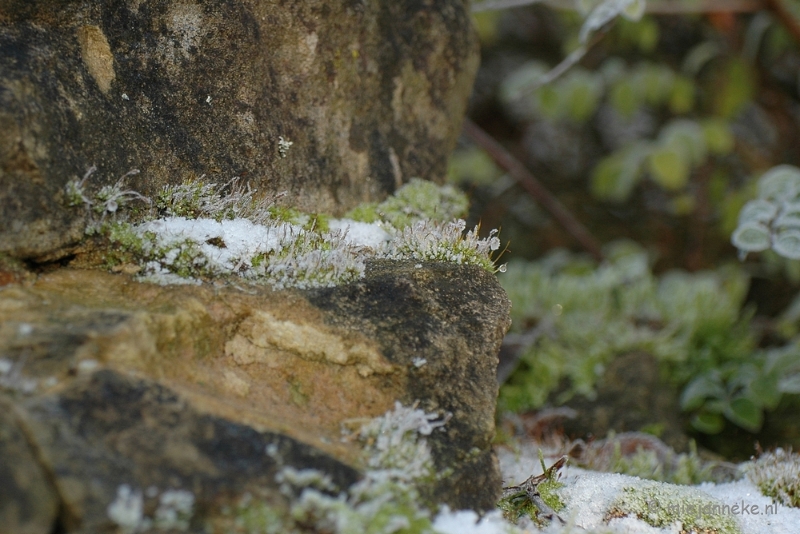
734	88
582	93
656	81
614	178
745	413
625	97
787	243
549	101
758	211
698	390
780	183
765	389
790	216
708	423
751	237
668	168
790	384
682	98
685	136
719	138
634	9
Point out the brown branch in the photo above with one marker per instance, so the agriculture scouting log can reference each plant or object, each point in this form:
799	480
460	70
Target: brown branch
785	17
540	194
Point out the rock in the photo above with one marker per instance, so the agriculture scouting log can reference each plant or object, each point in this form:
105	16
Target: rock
133	395
336	103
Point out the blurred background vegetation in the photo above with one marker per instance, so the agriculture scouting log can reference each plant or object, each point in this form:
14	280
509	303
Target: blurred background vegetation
615	143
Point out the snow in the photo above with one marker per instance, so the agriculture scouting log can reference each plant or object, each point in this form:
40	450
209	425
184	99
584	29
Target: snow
468	522
240	237
360	233
588	496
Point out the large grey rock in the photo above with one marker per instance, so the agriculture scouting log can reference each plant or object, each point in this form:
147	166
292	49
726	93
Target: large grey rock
370	93
116	384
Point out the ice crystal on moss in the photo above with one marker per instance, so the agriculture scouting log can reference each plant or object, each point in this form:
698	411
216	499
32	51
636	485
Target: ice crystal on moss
777	475
445	242
196	199
386	500
197	230
664	505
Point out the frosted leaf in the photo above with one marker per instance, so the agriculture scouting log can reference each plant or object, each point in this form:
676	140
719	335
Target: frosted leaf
634	10
751	237
686	137
790	216
758	211
780	183
608	11
787	243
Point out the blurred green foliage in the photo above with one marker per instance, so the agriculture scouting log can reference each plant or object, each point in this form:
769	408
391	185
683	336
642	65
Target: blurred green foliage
678	132
693	323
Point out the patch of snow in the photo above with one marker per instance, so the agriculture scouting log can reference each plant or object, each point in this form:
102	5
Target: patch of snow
468	522
360	233
224	243
761	515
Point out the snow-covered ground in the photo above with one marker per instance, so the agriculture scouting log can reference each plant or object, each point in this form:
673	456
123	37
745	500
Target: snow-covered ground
589	496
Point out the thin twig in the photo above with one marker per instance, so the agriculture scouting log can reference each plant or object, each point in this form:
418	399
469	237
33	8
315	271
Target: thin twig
540	194
785	17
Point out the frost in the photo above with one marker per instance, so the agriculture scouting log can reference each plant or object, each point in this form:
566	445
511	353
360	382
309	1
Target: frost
772	220
175	510
777	475
751	237
430	241
127	509
386	499
197	230
607	11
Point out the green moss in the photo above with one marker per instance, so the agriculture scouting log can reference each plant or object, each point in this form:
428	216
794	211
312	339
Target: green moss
777	475
421	200
366	212
662	505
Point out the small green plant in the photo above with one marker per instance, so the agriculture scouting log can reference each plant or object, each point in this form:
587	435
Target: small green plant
772	221
692	323
537	498
108	200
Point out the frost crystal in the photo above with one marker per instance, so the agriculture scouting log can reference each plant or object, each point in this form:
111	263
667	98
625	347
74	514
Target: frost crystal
394	445
430	241
777	475
127	509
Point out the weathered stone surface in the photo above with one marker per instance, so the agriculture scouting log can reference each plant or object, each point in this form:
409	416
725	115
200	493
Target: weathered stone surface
119	382
28	501
370	93
423	314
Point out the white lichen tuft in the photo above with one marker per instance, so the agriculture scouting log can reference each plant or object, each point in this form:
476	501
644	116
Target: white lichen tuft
777	475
